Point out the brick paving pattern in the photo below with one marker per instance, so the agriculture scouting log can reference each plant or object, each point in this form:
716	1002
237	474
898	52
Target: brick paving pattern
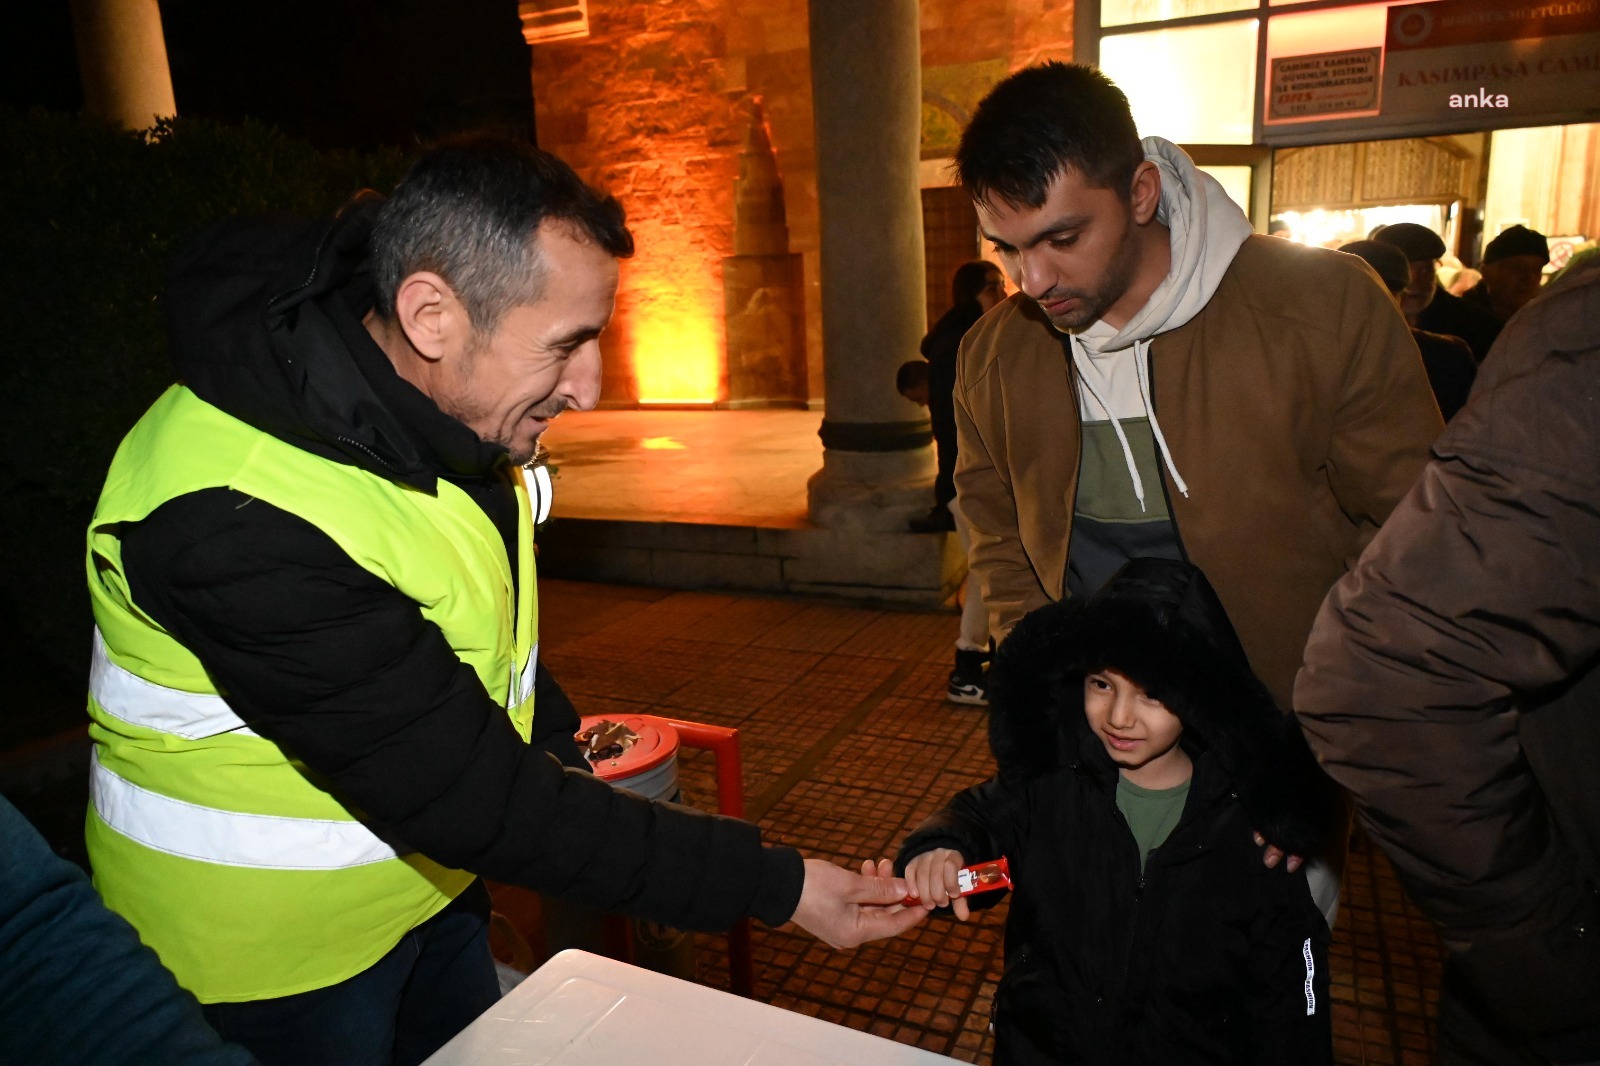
848	743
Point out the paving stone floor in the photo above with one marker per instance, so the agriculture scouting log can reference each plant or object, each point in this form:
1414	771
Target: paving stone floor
848	744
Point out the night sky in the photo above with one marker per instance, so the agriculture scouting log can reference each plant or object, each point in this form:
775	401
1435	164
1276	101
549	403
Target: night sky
339	73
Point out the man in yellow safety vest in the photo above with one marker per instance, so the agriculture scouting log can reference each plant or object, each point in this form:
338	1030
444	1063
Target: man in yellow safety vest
316	659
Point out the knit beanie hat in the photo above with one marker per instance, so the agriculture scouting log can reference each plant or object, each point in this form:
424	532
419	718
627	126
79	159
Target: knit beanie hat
1517	240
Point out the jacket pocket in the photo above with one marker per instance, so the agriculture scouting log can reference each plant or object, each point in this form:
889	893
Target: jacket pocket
1027	1011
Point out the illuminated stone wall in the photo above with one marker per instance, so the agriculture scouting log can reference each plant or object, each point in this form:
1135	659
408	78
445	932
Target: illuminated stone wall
651	106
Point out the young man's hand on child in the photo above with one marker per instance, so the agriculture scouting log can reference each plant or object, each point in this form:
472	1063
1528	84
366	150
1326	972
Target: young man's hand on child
934	877
1274	855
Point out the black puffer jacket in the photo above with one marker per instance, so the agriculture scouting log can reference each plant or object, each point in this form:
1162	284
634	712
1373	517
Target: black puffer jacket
1205	957
340	668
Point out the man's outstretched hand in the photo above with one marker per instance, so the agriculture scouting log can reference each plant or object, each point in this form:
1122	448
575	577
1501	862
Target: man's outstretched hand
845	910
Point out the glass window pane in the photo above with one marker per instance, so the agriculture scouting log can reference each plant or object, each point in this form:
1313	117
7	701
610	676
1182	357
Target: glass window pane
1340	37
1127	12
1194	85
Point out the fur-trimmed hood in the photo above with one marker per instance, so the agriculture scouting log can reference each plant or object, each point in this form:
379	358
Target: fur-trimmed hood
1158	622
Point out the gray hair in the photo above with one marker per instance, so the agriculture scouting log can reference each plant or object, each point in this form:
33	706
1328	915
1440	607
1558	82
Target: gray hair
469	210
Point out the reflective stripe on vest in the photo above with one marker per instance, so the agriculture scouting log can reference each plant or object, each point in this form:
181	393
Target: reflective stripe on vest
264	841
125	695
522	684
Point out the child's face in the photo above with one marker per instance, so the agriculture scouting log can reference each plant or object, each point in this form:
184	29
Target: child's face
1138	731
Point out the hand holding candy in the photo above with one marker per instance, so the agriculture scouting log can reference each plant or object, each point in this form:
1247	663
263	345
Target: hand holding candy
936	878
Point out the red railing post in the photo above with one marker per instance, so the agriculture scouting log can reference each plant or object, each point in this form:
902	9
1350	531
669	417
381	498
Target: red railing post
723	743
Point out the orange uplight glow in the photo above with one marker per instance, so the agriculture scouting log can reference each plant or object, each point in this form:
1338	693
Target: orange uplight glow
676	357
671	301
674	307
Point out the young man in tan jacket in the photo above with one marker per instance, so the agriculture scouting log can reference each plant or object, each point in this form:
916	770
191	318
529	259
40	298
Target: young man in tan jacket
1167	384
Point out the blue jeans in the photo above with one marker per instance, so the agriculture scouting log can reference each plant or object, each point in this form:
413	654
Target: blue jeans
397	1012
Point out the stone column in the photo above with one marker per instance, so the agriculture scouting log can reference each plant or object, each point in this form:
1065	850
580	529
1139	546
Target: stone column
866	85
122	59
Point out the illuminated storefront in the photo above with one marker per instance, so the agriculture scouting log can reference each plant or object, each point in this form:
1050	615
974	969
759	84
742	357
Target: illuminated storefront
1467	116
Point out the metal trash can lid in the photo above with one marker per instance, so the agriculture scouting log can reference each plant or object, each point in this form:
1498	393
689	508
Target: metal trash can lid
657	744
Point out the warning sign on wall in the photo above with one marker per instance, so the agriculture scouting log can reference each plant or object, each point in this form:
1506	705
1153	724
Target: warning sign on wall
1328	83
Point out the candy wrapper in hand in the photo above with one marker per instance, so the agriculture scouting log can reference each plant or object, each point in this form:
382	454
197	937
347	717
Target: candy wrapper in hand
979	877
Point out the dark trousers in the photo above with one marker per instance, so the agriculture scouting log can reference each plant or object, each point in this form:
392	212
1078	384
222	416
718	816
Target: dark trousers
397	1012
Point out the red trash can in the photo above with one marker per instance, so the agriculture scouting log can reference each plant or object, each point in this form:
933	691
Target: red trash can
649	766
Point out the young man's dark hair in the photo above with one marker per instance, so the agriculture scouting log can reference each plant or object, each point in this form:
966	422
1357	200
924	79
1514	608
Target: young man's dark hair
1041	121
468	211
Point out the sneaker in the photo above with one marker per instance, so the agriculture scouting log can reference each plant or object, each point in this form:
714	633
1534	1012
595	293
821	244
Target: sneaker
966	691
967	684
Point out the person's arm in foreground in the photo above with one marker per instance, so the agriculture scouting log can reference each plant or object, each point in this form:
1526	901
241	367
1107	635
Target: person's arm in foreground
1480	592
341	669
76	985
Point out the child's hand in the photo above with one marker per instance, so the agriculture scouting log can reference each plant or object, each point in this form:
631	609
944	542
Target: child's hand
934	878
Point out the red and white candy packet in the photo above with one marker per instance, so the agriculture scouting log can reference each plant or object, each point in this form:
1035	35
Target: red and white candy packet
979	877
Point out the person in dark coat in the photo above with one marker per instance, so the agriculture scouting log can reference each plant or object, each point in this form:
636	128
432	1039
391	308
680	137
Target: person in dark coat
974	288
1139	760
76	985
1513	268
1448	360
1452	684
1427	306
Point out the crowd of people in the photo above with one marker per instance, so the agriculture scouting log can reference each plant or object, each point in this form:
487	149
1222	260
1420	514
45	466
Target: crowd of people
1224	548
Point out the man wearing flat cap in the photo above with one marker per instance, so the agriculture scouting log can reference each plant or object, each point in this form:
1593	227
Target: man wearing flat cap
1513	266
1449	362
1425	304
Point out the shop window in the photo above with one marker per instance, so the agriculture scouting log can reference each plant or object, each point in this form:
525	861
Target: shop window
1547	179
1128	12
1349	39
1194	85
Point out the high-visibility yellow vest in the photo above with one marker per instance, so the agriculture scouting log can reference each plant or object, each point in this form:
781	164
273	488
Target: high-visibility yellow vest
246	877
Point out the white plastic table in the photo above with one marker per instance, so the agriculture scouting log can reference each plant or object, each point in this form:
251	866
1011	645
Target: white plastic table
580	1009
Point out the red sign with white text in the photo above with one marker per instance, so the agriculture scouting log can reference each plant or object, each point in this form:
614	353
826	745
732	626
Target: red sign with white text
1451	65
1523	58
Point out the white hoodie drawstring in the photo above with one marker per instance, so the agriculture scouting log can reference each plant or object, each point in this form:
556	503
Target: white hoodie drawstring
1141	363
1207	230
1116	426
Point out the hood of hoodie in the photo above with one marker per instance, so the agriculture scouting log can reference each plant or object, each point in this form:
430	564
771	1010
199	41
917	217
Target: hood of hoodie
1160	623
1206	229
264	318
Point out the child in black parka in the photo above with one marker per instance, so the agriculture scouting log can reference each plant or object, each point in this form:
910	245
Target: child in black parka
1138	759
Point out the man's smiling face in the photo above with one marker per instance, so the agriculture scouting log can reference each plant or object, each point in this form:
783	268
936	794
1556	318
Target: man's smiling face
543	357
